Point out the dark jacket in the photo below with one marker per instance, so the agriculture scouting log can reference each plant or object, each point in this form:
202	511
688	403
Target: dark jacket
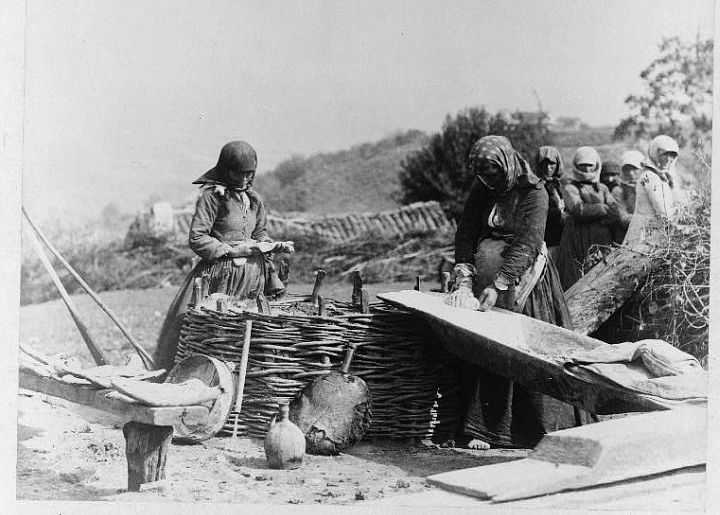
523	211
220	218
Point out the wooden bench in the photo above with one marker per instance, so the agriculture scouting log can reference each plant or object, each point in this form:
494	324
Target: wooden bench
147	430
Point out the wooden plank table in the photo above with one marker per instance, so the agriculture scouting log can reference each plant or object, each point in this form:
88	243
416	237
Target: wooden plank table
148	430
525	350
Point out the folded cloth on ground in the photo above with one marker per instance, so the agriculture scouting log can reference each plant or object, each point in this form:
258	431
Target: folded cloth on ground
188	393
651	367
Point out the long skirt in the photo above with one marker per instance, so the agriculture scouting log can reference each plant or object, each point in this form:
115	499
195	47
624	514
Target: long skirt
243	281
505	413
577	238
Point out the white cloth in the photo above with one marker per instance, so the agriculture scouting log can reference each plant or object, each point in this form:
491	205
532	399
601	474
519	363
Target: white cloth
651	367
654	202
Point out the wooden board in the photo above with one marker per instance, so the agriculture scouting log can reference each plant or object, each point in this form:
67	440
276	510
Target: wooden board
525	350
115	403
591	455
605	288
679	490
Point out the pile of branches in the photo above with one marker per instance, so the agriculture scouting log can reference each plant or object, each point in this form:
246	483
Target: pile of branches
398	258
107	267
674	301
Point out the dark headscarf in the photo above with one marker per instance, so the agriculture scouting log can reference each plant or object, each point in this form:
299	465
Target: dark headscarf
499	151
610	173
552	154
236	156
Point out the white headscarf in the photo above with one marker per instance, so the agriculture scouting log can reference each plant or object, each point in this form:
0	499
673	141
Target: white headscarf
587	155
658	145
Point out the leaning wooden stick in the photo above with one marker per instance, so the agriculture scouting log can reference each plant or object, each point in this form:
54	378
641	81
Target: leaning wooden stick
319	277
144	356
242	374
95	351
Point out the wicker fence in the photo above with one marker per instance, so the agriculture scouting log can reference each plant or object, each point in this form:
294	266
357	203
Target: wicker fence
420	217
413	385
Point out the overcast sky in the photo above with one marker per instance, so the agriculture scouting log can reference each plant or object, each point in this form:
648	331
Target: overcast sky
147	91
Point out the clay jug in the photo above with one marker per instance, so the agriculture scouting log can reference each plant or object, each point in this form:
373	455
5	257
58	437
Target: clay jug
284	442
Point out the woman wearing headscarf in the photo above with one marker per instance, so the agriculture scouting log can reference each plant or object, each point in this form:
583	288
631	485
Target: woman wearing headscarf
654	200
592	213
610	177
631	165
550	170
624	191
229	223
501	260
610	174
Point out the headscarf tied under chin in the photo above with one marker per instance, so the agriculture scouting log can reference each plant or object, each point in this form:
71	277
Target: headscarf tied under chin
587	155
658	145
552	154
236	156
499	151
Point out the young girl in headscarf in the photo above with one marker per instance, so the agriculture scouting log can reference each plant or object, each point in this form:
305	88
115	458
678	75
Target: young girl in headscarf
229	223
550	170
624	191
631	164
501	260
654	201
592	213
610	174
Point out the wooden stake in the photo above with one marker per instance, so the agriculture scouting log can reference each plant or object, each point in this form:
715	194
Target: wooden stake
357	287
146	449
445	283
222	305
205	286
263	305
197	292
417	283
242	374
321	305
319	277
364	301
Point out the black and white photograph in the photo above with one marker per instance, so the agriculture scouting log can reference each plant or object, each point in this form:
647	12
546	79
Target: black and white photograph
381	256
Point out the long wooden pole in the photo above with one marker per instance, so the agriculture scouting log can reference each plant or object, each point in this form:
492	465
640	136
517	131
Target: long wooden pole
144	356
95	351
243	373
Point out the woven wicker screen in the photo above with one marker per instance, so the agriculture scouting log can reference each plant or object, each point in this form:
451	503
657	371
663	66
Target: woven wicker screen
422	217
413	385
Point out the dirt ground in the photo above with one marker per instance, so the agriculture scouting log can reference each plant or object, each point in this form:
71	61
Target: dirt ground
67	452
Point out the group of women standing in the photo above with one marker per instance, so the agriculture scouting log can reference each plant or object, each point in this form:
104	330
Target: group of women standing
517	225
596	204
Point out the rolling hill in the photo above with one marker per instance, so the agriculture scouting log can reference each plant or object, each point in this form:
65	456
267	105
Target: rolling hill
364	178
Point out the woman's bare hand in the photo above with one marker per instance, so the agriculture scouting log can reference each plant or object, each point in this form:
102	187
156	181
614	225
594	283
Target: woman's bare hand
488	298
286	247
462	298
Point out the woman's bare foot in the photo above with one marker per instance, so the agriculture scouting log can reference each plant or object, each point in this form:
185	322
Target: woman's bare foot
477	444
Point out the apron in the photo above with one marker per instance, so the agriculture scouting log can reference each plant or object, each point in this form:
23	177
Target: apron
489	257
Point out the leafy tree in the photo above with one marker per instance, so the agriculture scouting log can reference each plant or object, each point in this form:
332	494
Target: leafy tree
283	188
678	94
439	171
